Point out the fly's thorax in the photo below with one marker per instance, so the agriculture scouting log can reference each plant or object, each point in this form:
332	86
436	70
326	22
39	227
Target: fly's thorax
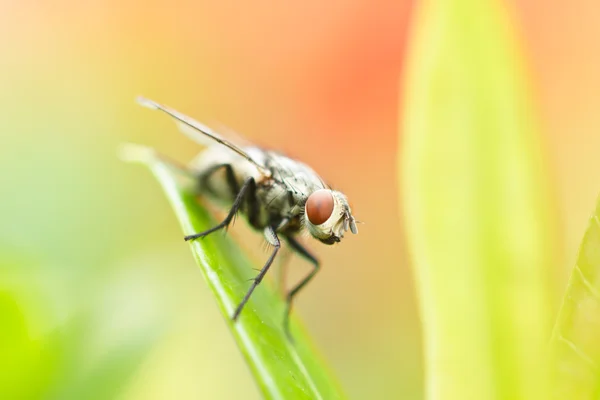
327	216
298	177
274	203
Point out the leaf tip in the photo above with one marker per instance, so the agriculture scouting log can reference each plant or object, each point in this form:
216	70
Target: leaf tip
135	153
144	102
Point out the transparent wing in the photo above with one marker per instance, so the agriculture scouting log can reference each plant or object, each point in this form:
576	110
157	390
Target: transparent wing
198	132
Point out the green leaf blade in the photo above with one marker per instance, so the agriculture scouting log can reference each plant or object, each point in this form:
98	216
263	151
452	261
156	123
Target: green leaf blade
476	202
282	369
575	344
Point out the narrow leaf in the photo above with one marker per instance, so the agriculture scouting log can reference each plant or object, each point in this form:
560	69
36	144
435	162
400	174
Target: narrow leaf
283	369
477	207
576	344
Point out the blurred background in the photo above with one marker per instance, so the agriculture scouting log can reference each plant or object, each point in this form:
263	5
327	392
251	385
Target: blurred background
99	295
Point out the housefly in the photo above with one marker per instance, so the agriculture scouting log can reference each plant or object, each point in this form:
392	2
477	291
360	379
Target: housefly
279	196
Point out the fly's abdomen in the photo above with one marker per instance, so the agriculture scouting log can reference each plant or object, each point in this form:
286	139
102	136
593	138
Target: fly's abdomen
221	173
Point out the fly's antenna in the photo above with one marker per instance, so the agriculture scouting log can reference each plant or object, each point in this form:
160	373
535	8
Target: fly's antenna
197	128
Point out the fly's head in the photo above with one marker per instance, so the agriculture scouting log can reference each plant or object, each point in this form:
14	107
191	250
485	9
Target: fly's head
327	216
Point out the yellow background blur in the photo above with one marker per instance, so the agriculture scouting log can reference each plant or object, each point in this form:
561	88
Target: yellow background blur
87	238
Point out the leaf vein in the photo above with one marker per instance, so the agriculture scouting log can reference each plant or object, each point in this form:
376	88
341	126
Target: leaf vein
597	220
579	352
588	284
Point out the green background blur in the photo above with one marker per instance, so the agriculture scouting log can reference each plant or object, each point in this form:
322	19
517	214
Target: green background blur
98	292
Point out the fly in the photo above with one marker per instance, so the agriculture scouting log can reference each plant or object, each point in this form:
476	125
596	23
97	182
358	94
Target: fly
279	196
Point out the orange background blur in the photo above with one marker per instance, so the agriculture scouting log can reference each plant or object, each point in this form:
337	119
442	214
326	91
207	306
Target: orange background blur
319	80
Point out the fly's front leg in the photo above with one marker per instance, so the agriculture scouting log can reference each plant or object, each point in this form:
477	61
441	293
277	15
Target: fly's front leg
290	297
249	186
271	237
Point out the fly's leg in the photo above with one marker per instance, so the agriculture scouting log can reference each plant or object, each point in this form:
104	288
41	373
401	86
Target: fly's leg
229	175
272	238
248	187
290	297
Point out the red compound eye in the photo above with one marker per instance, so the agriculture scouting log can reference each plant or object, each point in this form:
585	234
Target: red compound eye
319	206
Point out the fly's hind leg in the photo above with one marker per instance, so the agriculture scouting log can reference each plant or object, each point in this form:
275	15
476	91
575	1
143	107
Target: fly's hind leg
229	175
248	187
298	248
273	240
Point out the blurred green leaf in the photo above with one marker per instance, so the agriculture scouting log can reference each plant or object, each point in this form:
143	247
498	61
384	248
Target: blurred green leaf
282	369
96	365
576	344
52	347
478	209
26	364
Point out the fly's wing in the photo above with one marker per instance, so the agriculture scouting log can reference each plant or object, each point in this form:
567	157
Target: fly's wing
297	176
200	133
